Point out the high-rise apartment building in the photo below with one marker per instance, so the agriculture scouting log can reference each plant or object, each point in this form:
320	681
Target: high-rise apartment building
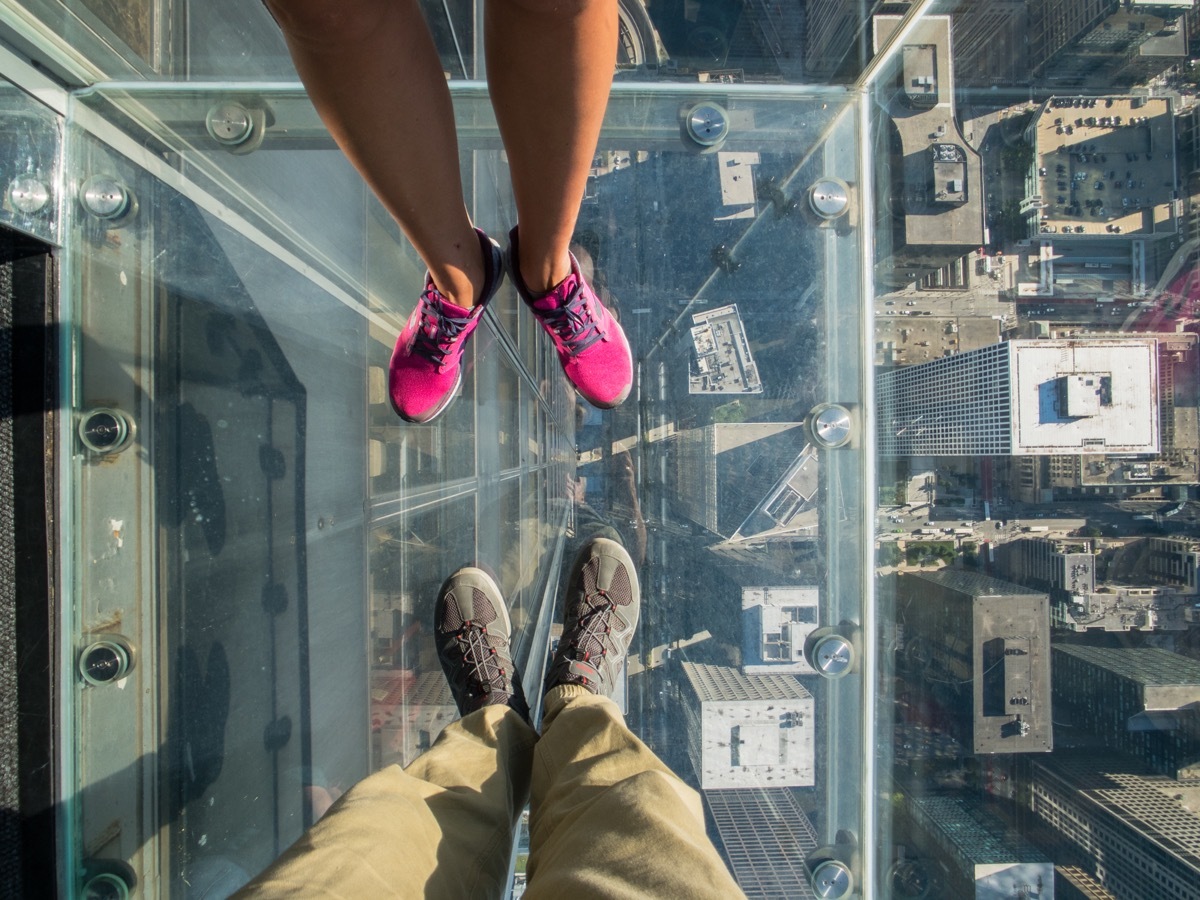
1137	839
766	838
979	649
1140	700
748	731
1025	397
1146	587
1109	42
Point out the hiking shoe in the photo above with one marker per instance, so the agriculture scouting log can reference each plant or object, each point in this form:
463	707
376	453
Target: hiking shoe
591	345
473	632
600	615
426	372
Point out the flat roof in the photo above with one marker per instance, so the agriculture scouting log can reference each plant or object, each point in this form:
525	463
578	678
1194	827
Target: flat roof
929	220
1123	171
1124	421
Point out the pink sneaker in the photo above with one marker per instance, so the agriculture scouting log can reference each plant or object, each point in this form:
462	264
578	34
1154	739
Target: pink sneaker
591	345
426	371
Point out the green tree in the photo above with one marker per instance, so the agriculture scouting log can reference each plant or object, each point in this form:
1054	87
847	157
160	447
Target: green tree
1017	158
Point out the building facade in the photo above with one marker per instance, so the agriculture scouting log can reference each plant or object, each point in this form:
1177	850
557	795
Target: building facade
748	731
765	838
1137	840
1139	700
1025	397
1109	42
978	648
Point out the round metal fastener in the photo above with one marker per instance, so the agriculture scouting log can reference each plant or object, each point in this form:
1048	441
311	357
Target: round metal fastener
833	656
105	661
829	198
831	425
105	430
28	194
707	124
229	123
104	197
832	880
106	886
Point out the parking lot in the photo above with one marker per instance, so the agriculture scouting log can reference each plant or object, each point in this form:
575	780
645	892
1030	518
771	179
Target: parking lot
1105	165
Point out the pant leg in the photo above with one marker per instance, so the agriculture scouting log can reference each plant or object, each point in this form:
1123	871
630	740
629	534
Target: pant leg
608	819
443	827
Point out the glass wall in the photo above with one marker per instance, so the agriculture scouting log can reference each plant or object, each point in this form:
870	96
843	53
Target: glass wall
909	468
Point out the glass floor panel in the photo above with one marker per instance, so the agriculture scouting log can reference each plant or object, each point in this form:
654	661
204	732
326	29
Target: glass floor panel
910	467
263	544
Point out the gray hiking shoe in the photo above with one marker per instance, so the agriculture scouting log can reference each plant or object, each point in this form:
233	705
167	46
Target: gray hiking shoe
473	635
599	618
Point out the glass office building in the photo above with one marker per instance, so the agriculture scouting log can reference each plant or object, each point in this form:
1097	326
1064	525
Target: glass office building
221	547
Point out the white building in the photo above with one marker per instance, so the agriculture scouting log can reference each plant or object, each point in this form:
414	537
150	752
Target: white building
1025	398
776	621
749	731
723	362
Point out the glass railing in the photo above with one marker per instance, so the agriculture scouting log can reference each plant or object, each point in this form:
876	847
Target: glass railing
908	471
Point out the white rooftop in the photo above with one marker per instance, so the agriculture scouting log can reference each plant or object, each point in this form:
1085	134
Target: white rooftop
1085	396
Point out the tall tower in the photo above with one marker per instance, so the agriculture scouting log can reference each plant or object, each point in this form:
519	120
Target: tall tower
1076	42
1025	398
1139	700
749	731
839	36
980	648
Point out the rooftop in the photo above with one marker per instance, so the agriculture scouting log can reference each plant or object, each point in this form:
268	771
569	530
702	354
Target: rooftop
724	684
1114	386
1104	166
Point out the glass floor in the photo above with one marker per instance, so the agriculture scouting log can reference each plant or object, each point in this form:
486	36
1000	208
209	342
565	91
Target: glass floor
910	466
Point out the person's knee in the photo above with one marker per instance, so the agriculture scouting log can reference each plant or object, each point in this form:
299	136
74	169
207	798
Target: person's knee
329	22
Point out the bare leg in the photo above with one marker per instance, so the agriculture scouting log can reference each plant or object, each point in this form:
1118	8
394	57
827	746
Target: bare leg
373	73
550	66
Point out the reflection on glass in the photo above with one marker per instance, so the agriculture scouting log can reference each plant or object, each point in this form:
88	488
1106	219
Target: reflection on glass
268	539
1037	382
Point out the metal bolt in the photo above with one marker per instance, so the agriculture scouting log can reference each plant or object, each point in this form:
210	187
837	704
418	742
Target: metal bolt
833	656
229	123
105	661
104	197
106	886
707	124
832	880
831	425
829	198
104	430
28	194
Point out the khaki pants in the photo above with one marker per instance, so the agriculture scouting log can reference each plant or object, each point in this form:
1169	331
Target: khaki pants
608	819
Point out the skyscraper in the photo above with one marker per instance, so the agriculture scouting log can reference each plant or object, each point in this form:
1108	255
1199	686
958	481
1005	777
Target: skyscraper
1140	700
1109	42
765	837
776	621
748	731
839	35
1023	398
978	648
1136	839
